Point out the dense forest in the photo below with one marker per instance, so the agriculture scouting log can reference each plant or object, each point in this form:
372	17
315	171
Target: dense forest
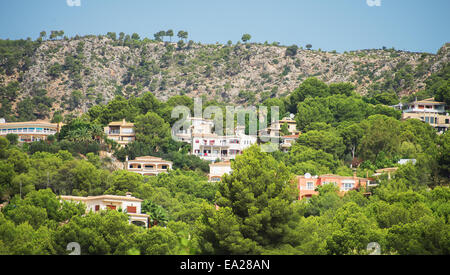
255	210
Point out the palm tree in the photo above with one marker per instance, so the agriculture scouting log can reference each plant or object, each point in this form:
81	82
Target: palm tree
97	131
158	215
80	135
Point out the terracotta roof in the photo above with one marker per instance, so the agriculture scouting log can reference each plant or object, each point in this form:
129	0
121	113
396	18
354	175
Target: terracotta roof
113	197
428	101
287	121
333	176
291	136
223	163
390	169
121	123
149	158
205	135
30	122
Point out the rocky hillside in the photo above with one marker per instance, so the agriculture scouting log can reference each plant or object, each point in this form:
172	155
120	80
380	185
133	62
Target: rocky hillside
74	74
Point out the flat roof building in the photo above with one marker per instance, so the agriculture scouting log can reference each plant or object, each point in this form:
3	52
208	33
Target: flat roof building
30	131
428	111
121	131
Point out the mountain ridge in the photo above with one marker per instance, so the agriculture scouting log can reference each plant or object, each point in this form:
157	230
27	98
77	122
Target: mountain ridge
78	73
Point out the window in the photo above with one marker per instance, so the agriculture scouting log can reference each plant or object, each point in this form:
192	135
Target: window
447	121
127	130
310	185
131	209
197	141
97	208
347	186
148	166
164	167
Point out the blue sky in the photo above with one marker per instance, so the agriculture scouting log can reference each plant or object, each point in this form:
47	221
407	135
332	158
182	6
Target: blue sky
342	25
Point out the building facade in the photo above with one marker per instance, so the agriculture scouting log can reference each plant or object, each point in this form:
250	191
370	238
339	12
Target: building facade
130	205
274	130
212	146
287	142
218	169
194	125
31	130
121	131
308	184
428	111
148	165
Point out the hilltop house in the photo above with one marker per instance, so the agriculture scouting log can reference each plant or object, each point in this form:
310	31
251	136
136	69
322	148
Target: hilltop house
130	205
287	142
429	111
194	125
30	131
274	133
307	184
121	131
209	146
218	169
148	165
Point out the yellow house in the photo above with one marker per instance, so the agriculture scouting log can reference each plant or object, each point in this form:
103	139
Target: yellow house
148	165
121	131
30	131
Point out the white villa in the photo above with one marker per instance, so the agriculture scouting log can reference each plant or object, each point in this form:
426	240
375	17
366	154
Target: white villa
130	205
196	126
210	146
428	111
218	169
